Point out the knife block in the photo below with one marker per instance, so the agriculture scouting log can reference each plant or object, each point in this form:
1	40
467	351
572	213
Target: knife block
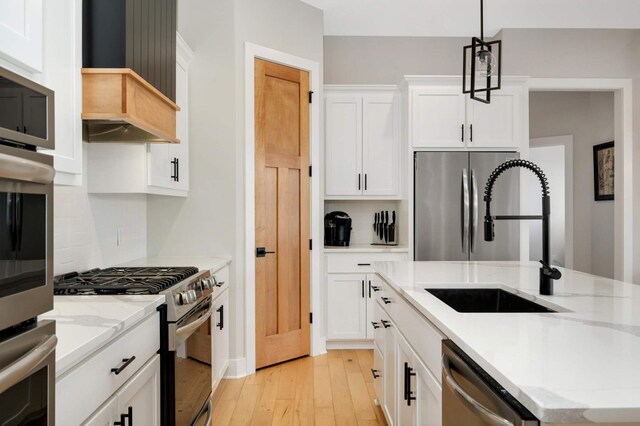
385	233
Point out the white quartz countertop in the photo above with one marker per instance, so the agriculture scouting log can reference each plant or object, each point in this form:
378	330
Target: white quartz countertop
201	262
366	248
84	324
580	365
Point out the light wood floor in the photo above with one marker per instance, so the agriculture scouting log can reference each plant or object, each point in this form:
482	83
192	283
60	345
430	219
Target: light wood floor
332	389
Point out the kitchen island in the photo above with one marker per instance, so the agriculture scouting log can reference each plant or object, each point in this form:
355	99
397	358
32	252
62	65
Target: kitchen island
578	365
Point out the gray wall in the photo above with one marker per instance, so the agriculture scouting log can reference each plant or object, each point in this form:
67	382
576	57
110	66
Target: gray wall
530	52
589	118
210	221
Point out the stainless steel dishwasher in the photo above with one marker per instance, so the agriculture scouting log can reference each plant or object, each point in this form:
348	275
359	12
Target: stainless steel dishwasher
471	397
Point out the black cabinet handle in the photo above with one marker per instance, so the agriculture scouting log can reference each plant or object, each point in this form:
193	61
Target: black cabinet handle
174	176
369	289
177	170
124	417
470	132
385	323
375	288
359	180
363	289
462	132
375	325
17	128
24	129
374	373
364	264
386	300
365	181
126	362
220	310
408	393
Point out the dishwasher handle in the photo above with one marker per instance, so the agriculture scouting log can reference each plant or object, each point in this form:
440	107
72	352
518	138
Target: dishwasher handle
491	417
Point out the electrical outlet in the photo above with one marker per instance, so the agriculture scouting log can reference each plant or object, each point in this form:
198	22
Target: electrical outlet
119	236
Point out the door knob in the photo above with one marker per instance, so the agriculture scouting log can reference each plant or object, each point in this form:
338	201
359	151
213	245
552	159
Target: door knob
262	252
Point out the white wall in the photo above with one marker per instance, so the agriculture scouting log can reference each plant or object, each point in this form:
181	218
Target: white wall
210	221
86	228
589	117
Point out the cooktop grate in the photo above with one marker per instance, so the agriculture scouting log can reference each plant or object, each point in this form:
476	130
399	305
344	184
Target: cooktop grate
111	281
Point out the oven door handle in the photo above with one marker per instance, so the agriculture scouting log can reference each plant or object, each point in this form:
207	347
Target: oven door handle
18	370
491	417
194	325
15	168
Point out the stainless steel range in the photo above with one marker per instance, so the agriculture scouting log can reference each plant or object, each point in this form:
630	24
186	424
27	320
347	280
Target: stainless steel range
185	333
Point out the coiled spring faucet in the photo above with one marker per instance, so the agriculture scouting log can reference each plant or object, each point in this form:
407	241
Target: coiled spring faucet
547	273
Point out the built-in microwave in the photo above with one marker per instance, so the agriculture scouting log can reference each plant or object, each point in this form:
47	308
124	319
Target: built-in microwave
26	235
26	111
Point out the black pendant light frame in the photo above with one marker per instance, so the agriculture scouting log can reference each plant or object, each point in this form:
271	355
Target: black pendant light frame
477	45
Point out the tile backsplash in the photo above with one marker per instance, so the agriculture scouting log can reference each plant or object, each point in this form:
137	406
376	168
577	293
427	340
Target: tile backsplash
97	230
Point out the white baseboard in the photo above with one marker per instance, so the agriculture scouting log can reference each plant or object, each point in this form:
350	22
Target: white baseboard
349	344
319	346
237	368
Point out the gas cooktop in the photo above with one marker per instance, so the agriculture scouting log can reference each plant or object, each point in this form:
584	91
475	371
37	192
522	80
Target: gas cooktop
110	281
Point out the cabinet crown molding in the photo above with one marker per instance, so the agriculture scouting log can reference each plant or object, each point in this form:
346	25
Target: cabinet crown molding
452	80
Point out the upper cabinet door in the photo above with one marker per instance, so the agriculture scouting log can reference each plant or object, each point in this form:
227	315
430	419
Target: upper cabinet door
180	152
438	118
381	145
494	125
21	33
343	135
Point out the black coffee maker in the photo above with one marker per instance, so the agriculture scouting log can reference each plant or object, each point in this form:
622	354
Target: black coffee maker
337	229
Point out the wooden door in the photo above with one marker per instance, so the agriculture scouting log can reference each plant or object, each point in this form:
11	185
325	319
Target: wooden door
381	145
282	212
439	118
343	115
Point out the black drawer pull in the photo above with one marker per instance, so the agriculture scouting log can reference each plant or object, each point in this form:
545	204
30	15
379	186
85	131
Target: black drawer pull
124	417
375	325
219	283
385	323
386	300
120	369
220	310
374	373
375	288
364	264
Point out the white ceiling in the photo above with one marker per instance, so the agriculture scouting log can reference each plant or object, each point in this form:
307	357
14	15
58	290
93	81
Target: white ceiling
461	17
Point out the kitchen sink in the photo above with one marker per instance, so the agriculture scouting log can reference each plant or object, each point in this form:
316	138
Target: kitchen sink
487	300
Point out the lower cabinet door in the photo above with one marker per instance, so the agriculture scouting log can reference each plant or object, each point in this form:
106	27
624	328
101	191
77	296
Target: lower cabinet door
378	375
428	397
220	319
106	415
389	362
346	307
139	398
405	388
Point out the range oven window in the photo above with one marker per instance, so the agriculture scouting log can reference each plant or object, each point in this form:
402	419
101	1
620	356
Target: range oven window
25	403
23	242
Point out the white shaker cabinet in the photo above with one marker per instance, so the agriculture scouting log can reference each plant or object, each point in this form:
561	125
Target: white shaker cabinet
21	33
347	307
362	142
442	117
220	325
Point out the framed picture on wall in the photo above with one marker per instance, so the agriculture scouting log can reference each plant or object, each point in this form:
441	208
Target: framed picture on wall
603	171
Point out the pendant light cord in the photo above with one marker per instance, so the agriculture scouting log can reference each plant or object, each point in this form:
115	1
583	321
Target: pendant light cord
482	20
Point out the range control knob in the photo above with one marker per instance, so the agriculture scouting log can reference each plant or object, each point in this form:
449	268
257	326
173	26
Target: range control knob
184	299
206	283
191	296
177	298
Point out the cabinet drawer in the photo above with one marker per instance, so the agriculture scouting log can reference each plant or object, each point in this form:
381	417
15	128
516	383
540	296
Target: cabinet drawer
89	385
222	280
427	344
341	263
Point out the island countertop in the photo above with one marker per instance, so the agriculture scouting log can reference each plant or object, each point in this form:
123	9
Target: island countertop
577	365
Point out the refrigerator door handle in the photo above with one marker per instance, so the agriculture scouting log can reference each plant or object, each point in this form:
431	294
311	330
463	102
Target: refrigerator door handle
464	214
474	210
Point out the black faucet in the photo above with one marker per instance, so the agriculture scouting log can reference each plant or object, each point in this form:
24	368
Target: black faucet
547	273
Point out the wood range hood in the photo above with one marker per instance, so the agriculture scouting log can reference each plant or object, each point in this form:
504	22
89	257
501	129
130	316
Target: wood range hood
120	106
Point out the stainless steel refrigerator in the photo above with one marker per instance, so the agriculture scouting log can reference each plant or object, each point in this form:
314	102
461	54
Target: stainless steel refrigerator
449	207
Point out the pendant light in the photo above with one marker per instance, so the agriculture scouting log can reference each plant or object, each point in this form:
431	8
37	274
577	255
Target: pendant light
482	65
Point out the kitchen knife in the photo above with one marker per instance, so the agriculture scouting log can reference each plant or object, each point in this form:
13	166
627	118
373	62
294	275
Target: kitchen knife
392	228
381	225
375	223
386	226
